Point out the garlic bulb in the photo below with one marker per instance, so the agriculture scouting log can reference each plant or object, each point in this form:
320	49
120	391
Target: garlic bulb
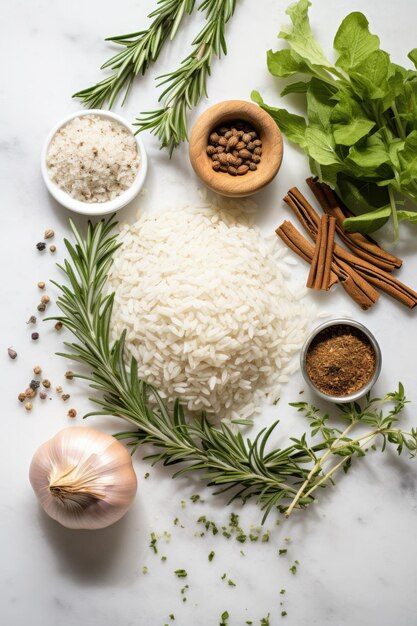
83	478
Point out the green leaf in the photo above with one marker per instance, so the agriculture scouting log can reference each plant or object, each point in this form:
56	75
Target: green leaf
353	41
413	56
350	122
284	63
361	196
370	154
410	216
408	159
319	104
292	126
349	134
321	146
301	38
368	222
299	87
371	76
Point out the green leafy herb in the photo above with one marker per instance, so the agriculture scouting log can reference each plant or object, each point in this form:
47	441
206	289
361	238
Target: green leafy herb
153	543
283	478
361	129
184	87
224	619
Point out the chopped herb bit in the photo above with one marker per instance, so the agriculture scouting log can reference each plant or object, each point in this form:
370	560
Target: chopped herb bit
181	573
284	613
282	551
231	583
152	544
282	591
234	520
184	589
196	498
265	537
146	475
293	569
224	620
163	559
265	621
183	504
226	534
167	536
275	402
176	521
172	617
253	537
223	577
145	570
249	622
242	553
184	599
287	539
211	556
241	538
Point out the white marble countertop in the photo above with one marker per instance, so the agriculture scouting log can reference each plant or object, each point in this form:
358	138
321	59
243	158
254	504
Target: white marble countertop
356	548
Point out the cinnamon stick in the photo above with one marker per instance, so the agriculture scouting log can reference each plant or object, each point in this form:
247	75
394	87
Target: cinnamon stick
319	276
362	245
369	272
354	285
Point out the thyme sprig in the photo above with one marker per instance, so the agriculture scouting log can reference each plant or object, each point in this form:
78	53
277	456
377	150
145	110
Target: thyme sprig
140	50
283	478
186	85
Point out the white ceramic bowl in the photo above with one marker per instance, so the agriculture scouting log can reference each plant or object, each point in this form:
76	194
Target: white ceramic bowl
95	208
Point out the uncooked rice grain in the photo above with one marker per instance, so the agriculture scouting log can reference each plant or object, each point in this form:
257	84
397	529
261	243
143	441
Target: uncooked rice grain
208	314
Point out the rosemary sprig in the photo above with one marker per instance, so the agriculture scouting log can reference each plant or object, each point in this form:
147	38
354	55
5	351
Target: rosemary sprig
140	50
284	478
188	84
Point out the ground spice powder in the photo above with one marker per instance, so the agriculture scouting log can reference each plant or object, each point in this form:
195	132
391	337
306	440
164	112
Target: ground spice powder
340	360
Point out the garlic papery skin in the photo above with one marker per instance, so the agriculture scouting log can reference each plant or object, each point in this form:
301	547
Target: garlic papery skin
84	479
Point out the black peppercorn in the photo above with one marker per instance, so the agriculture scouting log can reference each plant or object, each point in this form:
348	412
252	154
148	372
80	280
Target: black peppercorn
35	336
34	384
41	246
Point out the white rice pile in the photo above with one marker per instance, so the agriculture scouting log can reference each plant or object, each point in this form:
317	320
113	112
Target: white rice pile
93	159
208	313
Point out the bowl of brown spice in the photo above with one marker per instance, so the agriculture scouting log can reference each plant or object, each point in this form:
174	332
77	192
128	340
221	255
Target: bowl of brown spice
235	148
341	360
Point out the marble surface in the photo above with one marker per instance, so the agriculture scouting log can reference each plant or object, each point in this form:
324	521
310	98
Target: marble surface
356	548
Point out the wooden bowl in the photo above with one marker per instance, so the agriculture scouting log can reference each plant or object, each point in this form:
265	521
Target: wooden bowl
268	132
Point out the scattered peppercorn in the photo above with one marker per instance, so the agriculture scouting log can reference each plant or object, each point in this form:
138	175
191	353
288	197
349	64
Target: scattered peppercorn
28	406
30	393
21	397
12	353
72	413
41	246
58	325
58	389
46	383
49	233
41	284
52	248
41	307
45	299
43	395
31	320
69	375
37	370
65	396
34	384
35	336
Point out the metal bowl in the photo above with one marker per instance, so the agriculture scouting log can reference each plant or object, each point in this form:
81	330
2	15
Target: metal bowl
378	360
